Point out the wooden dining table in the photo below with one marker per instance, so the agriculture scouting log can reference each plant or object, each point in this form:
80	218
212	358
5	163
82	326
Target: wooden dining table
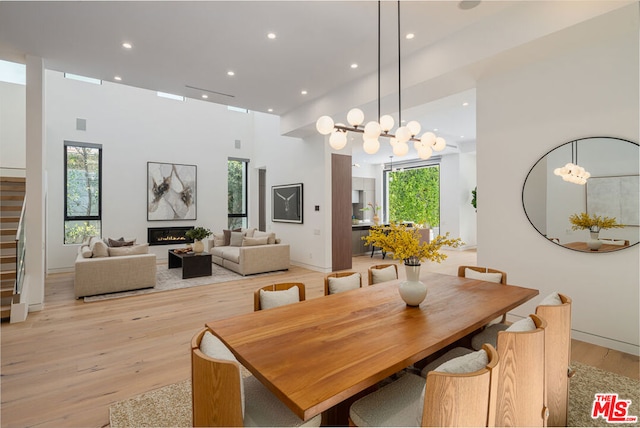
314	354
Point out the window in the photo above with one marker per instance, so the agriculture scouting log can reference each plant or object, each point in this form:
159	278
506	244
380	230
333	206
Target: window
237	192
414	195
83	191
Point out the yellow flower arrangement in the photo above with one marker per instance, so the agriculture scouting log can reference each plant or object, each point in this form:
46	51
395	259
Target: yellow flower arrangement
593	223
404	243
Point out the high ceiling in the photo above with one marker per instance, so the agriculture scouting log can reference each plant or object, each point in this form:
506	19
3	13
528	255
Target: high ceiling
188	48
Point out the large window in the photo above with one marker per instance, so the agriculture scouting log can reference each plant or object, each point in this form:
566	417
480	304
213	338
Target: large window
237	192
414	195
83	191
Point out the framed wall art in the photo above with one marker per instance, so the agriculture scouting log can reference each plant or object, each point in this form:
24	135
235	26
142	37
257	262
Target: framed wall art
171	191
286	203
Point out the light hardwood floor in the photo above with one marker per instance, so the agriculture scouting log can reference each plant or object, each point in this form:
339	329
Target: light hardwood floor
65	365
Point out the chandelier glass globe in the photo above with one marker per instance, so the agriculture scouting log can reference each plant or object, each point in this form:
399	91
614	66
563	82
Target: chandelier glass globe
338	140
424	152
403	134
355	117
428	138
372	129
371	145
324	125
440	144
414	127
386	123
400	149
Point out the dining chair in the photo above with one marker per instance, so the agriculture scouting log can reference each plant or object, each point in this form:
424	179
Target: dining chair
274	295
221	396
382	273
556	310
461	392
490	275
521	398
337	282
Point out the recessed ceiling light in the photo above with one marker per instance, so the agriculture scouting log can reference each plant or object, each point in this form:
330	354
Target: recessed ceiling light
231	73
303	92
271	36
270	110
127	45
462	136
118	78
410	36
205	96
435	129
464	104
354	65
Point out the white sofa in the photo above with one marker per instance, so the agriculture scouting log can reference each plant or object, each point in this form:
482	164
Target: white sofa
121	269
249	251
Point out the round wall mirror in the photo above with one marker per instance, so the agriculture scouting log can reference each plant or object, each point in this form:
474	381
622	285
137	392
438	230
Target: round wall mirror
580	180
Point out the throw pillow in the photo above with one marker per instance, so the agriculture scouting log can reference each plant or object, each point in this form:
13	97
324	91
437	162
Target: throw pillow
213	347
252	242
99	248
483	276
552	299
85	250
218	239
525	324
227	237
120	242
129	250
271	236
236	239
345	283
248	232
383	275
273	299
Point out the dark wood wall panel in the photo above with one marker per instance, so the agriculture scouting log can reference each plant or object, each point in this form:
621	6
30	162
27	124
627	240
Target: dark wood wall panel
341	212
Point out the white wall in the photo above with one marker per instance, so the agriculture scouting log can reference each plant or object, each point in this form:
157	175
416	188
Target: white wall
587	91
12	129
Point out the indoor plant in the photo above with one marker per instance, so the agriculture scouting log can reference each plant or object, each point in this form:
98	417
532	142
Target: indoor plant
375	209
197	234
593	224
404	244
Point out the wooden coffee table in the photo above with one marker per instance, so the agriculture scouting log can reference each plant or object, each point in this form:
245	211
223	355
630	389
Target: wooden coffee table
193	264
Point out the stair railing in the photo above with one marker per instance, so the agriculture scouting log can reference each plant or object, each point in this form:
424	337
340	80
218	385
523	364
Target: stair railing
20	251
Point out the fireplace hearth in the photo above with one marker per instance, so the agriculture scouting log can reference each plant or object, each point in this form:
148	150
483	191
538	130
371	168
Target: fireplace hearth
168	235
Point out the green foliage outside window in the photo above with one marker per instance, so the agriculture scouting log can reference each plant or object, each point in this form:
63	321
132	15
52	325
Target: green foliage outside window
414	195
237	193
82	193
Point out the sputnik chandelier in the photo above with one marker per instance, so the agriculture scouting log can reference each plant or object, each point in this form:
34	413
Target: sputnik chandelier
372	131
572	172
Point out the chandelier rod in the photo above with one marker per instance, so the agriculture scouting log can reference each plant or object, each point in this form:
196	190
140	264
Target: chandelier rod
399	74
379	60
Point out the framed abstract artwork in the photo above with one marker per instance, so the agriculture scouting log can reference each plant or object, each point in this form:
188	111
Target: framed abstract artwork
171	191
286	203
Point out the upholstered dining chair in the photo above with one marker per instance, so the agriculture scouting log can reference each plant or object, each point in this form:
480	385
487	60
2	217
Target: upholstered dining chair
274	295
461	392
556	310
221	396
382	273
337	282
521	385
490	275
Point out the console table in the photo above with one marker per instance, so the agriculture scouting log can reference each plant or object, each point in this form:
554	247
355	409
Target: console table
193	264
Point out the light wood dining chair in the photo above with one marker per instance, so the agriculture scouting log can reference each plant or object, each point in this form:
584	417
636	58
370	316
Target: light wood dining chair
382	273
337	282
221	396
521	399
274	295
461	392
556	310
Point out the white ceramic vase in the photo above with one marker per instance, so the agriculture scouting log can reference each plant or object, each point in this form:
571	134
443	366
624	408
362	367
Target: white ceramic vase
413	291
198	246
594	243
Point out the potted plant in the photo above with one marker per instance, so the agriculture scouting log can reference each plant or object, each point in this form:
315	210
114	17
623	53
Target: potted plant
593	224
375	208
197	234
404	244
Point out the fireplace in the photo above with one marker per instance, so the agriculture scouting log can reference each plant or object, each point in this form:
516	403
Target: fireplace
168	235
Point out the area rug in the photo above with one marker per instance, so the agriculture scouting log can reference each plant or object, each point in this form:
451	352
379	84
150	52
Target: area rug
171	279
170	406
